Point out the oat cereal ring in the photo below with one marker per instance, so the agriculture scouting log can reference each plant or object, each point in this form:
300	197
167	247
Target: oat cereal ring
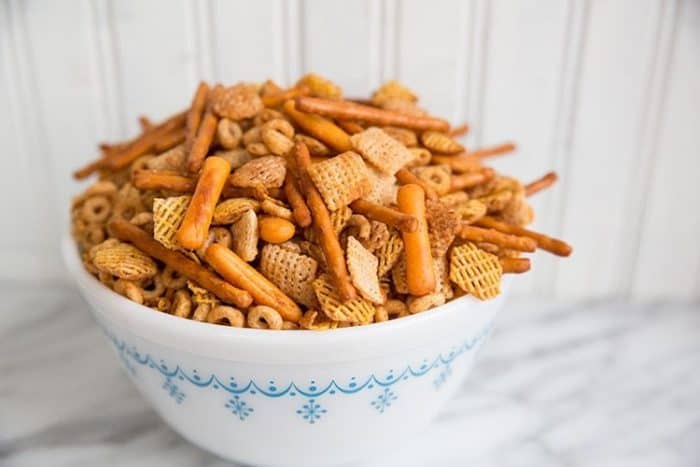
395	308
266	115
277	135
380	314
252	136
257	149
220	235
182	304
421	157
96	209
201	312
228	133
153	288
94	235
141	163
130	290
264	317
222	314
172	279
426	302
101	188
290	326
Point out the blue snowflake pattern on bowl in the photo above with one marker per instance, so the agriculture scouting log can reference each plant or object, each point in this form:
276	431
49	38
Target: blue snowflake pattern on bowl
239	407
384	400
312	410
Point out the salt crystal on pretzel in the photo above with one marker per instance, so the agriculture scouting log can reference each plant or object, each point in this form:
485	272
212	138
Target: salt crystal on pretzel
362	266
381	150
168	214
341	179
475	271
357	310
291	271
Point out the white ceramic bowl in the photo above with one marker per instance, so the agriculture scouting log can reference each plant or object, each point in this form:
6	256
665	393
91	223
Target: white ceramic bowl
293	397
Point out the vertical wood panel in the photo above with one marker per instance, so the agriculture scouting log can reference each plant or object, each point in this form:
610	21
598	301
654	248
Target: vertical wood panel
29	204
526	46
246	40
615	67
428	48
336	42
669	257
154	63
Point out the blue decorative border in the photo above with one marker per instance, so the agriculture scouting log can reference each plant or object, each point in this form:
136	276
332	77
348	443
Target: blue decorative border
311	411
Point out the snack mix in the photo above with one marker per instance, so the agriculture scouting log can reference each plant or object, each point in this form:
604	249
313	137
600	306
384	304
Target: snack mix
296	208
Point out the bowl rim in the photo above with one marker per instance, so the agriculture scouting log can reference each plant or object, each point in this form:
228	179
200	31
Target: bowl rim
167	329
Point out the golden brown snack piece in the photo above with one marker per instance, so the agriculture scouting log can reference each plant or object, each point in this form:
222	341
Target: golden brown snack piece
493	150
420	276
552	245
515	242
230	210
515	265
291	271
389	254
320	86
195	114
300	211
169	140
351	111
168	214
471	179
275	229
475	271
228	133
278	98
195	226
459	130
393	91
443	224
245	236
123	261
267	171
264	317
459	163
341	179
351	127
438	177
202	141
125	231
405	177
389	216
315	321
236	102
362	266
318	127
162	180
328	240
238	272
381	150
356	310
440	143
541	183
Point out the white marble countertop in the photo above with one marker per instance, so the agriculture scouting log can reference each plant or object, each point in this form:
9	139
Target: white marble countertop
596	384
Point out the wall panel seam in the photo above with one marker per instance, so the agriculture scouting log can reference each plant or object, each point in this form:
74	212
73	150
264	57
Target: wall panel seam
113	44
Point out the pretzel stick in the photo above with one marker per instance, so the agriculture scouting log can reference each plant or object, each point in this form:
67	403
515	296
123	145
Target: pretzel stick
346	110
514	242
300	210
350	126
243	275
162	180
333	253
145	123
541	183
202	142
405	176
195	226
89	168
195	114
470	179
459	163
552	245
169	140
250	192
391	217
319	127
493	150
128	232
274	100
420	274
144	143
458	131
515	265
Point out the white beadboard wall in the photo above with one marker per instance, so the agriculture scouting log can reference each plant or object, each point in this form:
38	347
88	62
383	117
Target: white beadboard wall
606	92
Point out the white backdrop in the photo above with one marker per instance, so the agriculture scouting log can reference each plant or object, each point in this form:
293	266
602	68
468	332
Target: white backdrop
606	92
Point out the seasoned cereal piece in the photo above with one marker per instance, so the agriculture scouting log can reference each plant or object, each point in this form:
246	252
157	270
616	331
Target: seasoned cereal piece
237	102
291	271
168	214
440	143
381	150
362	266
389	253
340	180
124	261
268	171
443	224
393	90
356	311
475	271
